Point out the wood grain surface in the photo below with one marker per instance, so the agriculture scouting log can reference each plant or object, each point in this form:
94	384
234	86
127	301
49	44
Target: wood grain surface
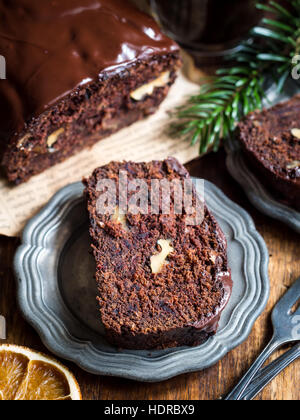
284	249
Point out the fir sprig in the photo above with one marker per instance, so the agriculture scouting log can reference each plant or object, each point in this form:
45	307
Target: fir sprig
234	92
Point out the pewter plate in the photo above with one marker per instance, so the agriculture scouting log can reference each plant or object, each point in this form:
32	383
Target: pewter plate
258	195
237	166
56	291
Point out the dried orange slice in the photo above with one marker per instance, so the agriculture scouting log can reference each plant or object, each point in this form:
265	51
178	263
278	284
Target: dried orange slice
29	375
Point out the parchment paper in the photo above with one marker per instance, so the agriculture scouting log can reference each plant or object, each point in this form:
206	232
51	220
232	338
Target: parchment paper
143	141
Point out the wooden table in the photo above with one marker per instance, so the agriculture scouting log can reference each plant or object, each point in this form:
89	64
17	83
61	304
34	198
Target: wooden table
284	249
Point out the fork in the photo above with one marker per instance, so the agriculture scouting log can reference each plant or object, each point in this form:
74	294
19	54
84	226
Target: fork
286	331
268	373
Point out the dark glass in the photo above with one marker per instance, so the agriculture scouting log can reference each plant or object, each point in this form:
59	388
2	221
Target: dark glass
209	28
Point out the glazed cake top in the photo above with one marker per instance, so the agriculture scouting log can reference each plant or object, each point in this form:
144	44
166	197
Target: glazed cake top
53	46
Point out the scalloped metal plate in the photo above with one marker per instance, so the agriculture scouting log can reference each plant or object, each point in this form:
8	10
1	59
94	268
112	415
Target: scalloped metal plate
56	291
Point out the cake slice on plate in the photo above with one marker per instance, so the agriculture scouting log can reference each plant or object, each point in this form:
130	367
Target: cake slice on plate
77	71
271	142
163	281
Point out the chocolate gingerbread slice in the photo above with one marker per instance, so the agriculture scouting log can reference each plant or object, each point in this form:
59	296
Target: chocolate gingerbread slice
162	281
271	142
77	71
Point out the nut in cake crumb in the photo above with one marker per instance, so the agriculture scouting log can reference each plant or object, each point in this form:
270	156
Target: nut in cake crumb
148	88
23	140
120	218
256	124
158	260
52	139
213	256
296	132
293	165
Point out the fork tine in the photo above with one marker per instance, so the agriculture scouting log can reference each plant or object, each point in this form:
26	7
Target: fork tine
289	299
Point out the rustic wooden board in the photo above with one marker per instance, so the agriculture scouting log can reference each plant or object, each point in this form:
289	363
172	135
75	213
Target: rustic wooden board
284	249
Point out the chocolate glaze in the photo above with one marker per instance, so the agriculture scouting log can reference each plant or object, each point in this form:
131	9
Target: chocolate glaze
53	46
212	324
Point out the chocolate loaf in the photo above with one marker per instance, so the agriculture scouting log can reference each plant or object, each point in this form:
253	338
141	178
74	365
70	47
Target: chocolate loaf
271	143
77	71
162	282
